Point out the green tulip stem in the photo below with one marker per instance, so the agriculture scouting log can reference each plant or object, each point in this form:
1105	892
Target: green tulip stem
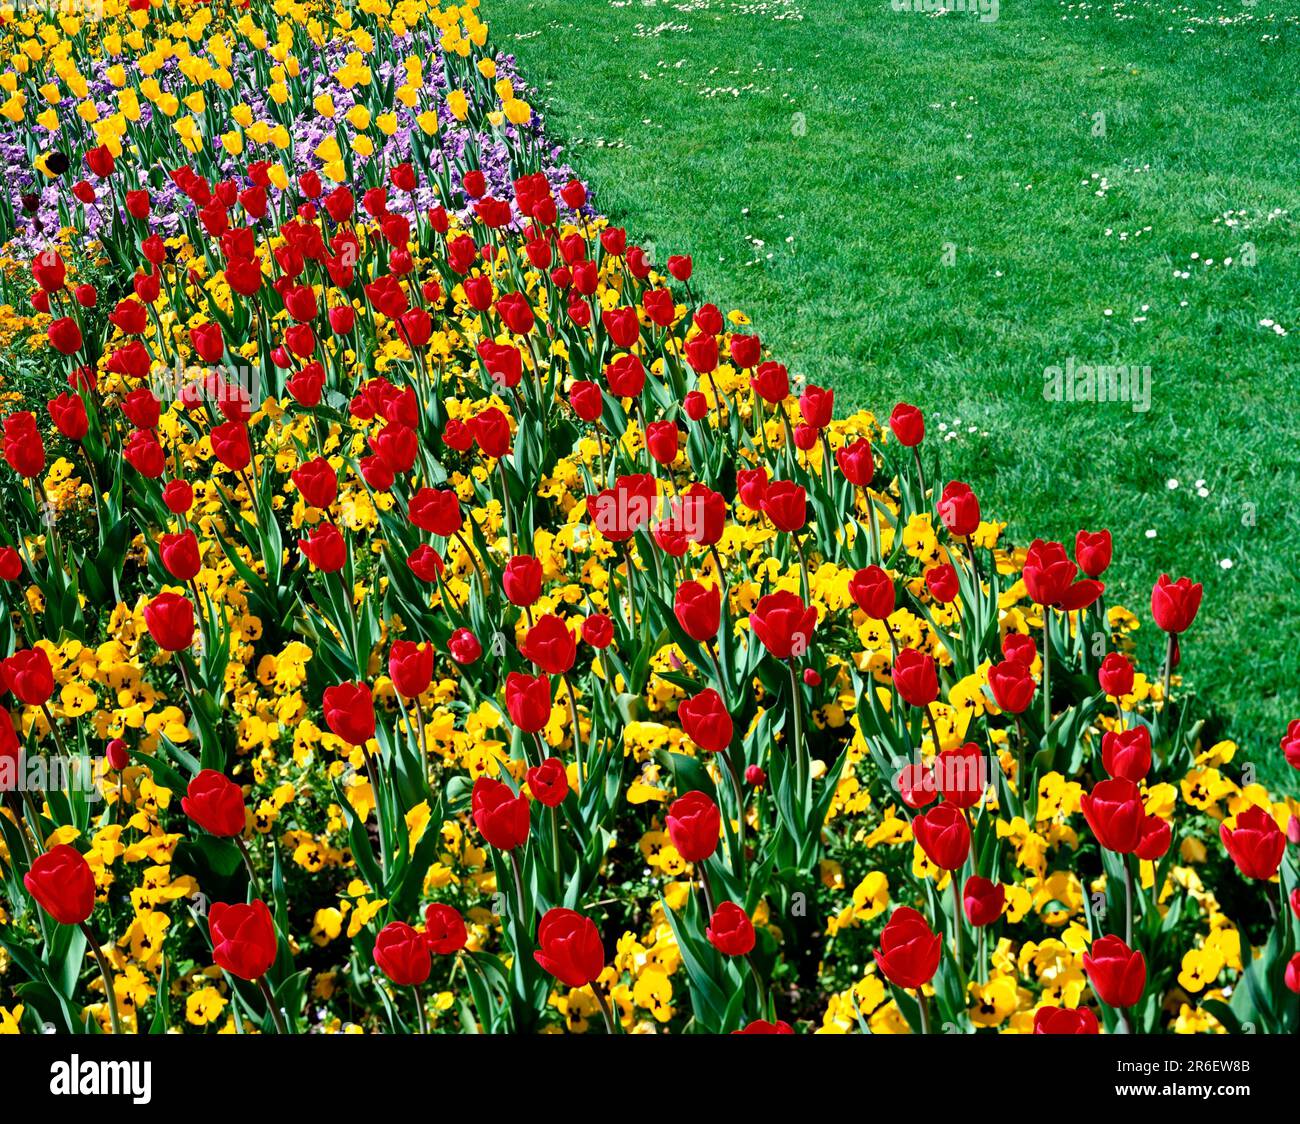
519	888
1047	671
254	881
578	753
276	1017
1128	901
956	920
1169	670
800	757
107	973
934	727
605	1012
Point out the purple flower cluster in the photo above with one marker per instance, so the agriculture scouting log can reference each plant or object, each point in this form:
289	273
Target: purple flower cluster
42	205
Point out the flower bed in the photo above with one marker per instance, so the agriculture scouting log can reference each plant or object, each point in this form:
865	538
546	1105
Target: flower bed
425	611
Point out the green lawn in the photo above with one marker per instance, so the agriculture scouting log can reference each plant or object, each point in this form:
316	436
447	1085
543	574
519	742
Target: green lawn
818	157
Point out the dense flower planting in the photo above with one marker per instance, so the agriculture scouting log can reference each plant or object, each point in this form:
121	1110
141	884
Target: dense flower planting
424	611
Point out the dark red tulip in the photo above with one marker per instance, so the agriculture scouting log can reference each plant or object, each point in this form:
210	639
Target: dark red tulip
982	900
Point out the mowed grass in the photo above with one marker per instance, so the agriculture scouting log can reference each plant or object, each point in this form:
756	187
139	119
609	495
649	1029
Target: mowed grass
817	158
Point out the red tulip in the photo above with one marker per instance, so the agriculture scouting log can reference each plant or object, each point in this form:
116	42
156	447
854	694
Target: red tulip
943	584
350	712
916	785
1174	605
909	951
1118	975
24	448
730	930
698	609
907	424
64	336
491	429
1156	837
762	1026
706	720
694	821
1093	552
771	382
1115	676
915	677
444	929
817	405
1291	977
170	620
216	804
961	774
325	548
316	482
873	591
569	947
28	674
983	901
550	644
528	701
1049	578
410	666
68	412
786	504
500	815
944	836
662	441
402	954
436	510
180	555
1012	685
1065	1020
1115	813
464	647
856	462
783	624
522	580
598	630
62	883
1290	743
1255	843
1127	753
959	509
548	782
243	939
586	400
